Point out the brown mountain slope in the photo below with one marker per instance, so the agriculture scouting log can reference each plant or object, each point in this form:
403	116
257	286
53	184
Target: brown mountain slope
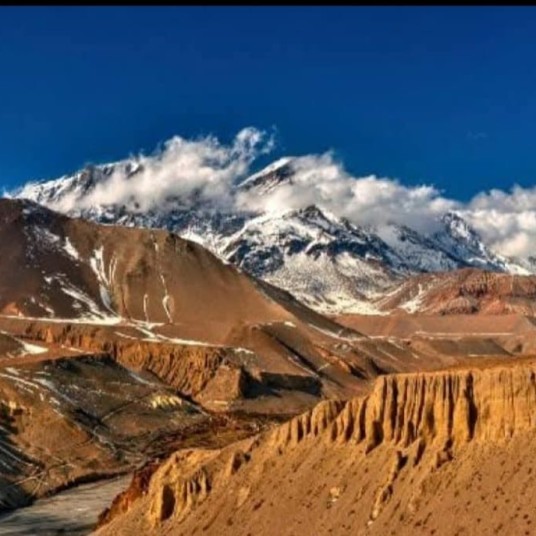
446	453
71	268
69	416
159	303
133	300
161	288
452	326
467	291
155	287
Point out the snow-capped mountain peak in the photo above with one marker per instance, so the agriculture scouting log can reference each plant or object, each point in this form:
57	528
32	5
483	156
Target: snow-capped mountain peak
274	175
68	192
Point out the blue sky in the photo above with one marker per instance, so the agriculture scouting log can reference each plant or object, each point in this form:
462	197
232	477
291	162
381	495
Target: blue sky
441	96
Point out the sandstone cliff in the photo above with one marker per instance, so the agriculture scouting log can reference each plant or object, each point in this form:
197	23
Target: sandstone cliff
385	454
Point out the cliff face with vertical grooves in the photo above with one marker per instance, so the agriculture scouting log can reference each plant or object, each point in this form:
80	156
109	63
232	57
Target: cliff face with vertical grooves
423	421
443	409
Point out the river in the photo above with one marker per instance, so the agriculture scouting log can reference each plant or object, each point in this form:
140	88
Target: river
73	512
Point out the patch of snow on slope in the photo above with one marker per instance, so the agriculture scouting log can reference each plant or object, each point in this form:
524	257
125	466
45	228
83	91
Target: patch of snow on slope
191	235
165	301
97	265
125	336
30	386
188	342
151	336
45	236
145	298
111	269
32	348
343	287
46	307
166	298
333	334
139	379
96	315
414	304
70	249
97	320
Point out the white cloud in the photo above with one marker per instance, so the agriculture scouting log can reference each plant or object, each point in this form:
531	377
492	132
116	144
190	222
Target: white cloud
321	180
506	220
203	167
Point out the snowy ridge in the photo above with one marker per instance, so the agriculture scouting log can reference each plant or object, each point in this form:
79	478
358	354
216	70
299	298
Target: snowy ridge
273	170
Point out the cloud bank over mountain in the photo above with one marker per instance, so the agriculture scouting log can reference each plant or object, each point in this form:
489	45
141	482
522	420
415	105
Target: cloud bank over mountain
507	220
183	167
205	168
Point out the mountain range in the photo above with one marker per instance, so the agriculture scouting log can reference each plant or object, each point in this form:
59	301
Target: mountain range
185	344
323	259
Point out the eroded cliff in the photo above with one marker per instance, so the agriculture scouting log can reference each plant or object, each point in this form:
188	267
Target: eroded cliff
384	450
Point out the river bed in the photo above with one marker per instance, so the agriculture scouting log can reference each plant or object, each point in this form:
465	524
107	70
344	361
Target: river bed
73	512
